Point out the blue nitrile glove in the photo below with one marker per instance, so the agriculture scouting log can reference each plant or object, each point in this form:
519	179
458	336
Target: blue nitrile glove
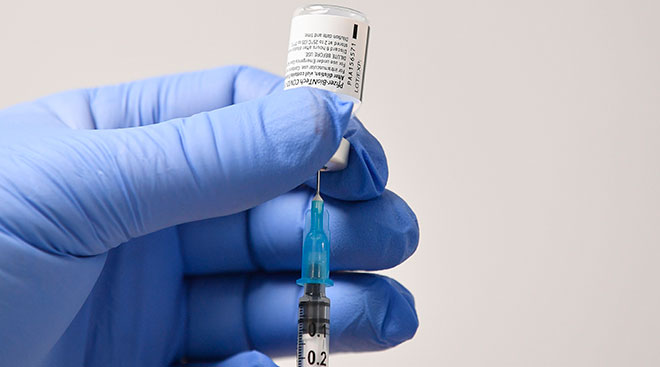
127	241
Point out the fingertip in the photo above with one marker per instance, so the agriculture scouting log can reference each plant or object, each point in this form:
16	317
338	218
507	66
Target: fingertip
373	312
318	121
407	228
401	321
337	109
251	83
386	228
263	147
393	317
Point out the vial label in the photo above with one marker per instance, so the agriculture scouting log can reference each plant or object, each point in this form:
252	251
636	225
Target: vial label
327	52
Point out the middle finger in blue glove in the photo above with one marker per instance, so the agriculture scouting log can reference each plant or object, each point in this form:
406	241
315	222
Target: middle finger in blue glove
366	235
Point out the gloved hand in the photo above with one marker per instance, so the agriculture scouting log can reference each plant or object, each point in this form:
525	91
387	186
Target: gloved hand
158	222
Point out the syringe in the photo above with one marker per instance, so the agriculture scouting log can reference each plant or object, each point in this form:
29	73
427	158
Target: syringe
327	50
314	306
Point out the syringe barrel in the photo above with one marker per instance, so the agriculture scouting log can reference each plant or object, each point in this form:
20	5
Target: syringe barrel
313	327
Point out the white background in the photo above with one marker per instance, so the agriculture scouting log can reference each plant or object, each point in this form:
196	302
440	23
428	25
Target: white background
525	134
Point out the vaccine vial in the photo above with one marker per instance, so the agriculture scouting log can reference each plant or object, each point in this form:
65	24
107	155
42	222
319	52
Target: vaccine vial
328	50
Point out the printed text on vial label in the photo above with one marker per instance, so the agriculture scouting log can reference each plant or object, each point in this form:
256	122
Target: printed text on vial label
324	59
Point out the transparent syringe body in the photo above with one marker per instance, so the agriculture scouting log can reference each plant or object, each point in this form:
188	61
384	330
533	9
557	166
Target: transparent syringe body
313	327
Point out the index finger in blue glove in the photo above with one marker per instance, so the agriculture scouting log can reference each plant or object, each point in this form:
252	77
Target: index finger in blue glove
108	186
174	96
168	97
